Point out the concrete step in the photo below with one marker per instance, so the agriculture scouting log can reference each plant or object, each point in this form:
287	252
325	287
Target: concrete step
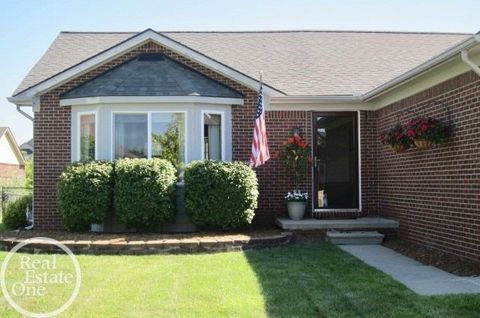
355	238
362	223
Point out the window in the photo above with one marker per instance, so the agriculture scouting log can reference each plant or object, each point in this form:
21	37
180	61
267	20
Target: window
131	136
212	136
168	137
166	140
87	137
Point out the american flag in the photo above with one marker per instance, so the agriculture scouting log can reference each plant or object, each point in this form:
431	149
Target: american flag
260	152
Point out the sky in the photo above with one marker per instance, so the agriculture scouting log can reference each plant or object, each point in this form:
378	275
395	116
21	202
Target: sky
27	28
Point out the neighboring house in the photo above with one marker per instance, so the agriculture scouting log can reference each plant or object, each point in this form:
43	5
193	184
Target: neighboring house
111	95
27	148
12	165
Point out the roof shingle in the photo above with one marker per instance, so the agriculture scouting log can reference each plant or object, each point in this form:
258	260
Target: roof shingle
295	62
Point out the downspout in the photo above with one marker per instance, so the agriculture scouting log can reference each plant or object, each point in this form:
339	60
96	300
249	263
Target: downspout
24	113
19	109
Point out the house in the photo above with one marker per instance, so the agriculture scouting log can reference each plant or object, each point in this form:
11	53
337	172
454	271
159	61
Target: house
27	148
12	164
109	95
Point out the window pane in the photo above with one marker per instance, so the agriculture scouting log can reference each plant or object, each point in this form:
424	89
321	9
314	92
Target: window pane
168	137
131	135
212	136
87	137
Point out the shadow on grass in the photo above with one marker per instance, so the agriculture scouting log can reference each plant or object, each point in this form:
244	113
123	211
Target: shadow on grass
316	279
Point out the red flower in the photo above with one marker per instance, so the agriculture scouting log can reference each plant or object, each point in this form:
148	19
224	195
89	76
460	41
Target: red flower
423	127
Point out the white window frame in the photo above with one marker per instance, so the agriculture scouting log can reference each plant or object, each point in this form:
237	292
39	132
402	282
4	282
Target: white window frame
149	129
222	131
79	132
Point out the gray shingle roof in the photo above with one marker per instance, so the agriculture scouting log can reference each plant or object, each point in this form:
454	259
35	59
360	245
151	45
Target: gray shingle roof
152	75
295	62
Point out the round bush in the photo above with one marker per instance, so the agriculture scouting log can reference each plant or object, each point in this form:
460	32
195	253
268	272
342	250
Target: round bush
85	194
144	192
220	194
15	215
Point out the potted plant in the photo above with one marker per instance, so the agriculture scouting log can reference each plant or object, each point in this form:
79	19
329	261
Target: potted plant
295	153
396	138
296	203
426	131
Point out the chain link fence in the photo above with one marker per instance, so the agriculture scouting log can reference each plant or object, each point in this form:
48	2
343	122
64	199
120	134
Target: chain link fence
9	195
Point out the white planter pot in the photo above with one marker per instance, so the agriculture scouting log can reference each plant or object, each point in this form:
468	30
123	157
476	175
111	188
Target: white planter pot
296	210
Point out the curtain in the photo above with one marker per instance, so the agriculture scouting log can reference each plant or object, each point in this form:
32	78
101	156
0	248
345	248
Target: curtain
214	142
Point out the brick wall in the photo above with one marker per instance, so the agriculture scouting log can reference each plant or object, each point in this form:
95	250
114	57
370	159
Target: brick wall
10	173
435	194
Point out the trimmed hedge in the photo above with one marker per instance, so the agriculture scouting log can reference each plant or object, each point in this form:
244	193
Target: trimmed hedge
85	194
144	192
220	194
15	216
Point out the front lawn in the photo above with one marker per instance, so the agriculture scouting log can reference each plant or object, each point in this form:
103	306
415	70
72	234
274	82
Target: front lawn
304	280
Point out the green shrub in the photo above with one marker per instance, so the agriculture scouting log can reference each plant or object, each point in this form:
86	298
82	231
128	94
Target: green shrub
14	216
220	194
144	192
85	194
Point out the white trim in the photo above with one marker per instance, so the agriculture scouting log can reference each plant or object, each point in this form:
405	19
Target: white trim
309	99
223	131
79	132
149	130
150	99
469	62
135	41
321	107
359	161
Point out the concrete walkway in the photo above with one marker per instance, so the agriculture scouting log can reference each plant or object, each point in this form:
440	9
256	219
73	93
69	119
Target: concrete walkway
422	279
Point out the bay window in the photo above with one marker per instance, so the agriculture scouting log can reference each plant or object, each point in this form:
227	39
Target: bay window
178	133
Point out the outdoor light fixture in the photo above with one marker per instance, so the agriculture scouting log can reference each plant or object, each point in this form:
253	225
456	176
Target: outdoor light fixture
296	131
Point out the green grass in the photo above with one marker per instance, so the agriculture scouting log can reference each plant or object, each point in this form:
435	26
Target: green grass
305	280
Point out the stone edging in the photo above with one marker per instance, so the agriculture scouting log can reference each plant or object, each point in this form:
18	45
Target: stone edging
186	245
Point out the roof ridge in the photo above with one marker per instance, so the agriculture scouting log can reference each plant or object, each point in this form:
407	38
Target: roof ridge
277	31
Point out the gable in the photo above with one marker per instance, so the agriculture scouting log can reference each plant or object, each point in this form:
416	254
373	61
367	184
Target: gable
9	151
30	96
151	74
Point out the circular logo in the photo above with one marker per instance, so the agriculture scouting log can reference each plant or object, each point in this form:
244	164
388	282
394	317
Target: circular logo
18	288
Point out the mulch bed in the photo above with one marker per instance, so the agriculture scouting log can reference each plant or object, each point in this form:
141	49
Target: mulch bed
449	263
147	243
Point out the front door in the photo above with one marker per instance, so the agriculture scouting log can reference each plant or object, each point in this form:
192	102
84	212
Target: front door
335	151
